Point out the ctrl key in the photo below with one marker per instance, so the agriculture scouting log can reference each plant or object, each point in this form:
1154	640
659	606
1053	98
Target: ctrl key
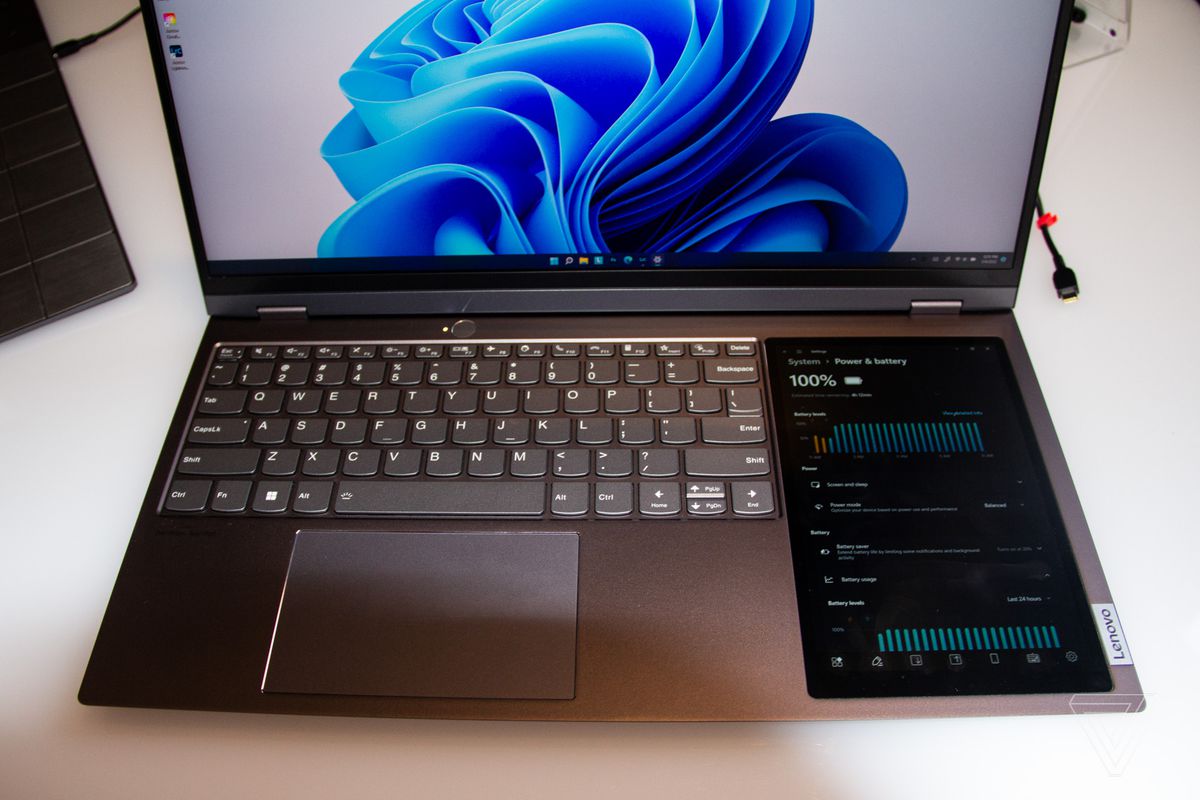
187	496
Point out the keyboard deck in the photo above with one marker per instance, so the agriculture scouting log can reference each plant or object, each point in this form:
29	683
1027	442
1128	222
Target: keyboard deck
562	429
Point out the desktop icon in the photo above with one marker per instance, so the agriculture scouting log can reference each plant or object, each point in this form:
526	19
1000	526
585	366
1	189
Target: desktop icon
169	19
598	261
628	259
176	51
583	260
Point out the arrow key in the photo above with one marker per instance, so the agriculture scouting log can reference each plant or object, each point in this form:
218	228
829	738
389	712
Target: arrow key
752	499
659	499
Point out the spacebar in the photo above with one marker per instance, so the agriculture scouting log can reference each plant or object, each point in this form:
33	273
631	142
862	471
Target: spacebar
441	499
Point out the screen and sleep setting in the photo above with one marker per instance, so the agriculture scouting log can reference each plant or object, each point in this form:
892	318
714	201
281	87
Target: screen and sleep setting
930	557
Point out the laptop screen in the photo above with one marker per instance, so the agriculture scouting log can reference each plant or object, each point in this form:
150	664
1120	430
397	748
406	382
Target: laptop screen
572	135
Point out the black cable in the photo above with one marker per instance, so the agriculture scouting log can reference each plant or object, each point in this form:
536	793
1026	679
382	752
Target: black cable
1065	282
71	46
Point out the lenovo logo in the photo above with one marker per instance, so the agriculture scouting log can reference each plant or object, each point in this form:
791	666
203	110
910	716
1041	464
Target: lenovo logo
1111	634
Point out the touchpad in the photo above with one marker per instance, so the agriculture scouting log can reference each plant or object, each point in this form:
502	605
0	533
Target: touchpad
484	615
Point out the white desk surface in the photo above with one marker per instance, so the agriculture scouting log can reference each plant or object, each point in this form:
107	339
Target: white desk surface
85	402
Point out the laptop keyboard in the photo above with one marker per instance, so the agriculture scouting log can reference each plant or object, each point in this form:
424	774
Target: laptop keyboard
595	430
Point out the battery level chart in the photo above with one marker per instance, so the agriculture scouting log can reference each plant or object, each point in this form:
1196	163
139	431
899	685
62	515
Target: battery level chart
901	437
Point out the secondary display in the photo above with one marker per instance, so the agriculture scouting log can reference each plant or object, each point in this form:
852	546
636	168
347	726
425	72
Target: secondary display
930	557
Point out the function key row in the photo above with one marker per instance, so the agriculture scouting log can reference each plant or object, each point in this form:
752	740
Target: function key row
440	372
493	350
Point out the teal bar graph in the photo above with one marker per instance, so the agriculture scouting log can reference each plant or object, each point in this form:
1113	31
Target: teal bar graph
992	638
873	438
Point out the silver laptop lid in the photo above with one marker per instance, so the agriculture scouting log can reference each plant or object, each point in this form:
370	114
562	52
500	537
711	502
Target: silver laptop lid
571	155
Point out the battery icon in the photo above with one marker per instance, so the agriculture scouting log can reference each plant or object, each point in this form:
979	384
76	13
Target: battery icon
852	380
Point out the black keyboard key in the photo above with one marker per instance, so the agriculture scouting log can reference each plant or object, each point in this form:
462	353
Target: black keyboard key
361	351
360	463
304	401
677	430
601	372
635	350
658	463
342	402
394	351
635	431
564	351
663	401
263	353
450	498
445	373
469	432
367	373
295	352
593	431
381	401
444	463
428	351
523	373
428	432
501	401
614	463
531	350
575	463
733	430
388	431
222	401
726	463
569	499
187	495
496	351
292	373
601	351
420	401
218	431
681	370
541	401
231	497
349	431
614	499
740	349
271	497
228	353
510	431
256	374
551	432
639	372
309	431
528	463
280	463
730	371
401	463
484	373
752	499
312	497
218	461
659	499
320	463
222	374
406	373
703	400
746	401
669	349
326	352
485	463
270	431
266	401
460	401
581	401
562	373
621	401
704	349
707	508
462	351
330	373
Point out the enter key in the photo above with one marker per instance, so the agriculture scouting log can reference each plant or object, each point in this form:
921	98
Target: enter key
733	430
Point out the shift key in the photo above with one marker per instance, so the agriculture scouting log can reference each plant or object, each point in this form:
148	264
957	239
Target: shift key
727	462
218	431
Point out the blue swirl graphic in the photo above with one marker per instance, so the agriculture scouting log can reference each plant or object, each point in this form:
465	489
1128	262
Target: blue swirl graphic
558	126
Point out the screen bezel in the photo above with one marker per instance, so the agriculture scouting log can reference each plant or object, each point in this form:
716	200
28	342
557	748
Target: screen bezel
748	289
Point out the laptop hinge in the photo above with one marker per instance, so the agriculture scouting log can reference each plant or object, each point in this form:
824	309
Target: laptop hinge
283	312
935	307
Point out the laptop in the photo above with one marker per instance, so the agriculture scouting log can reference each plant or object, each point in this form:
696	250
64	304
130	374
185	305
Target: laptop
610	361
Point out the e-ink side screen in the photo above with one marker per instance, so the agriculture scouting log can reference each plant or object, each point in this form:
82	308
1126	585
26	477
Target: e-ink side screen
930	556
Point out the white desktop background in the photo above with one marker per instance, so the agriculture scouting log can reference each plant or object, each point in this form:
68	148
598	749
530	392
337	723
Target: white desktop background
955	92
